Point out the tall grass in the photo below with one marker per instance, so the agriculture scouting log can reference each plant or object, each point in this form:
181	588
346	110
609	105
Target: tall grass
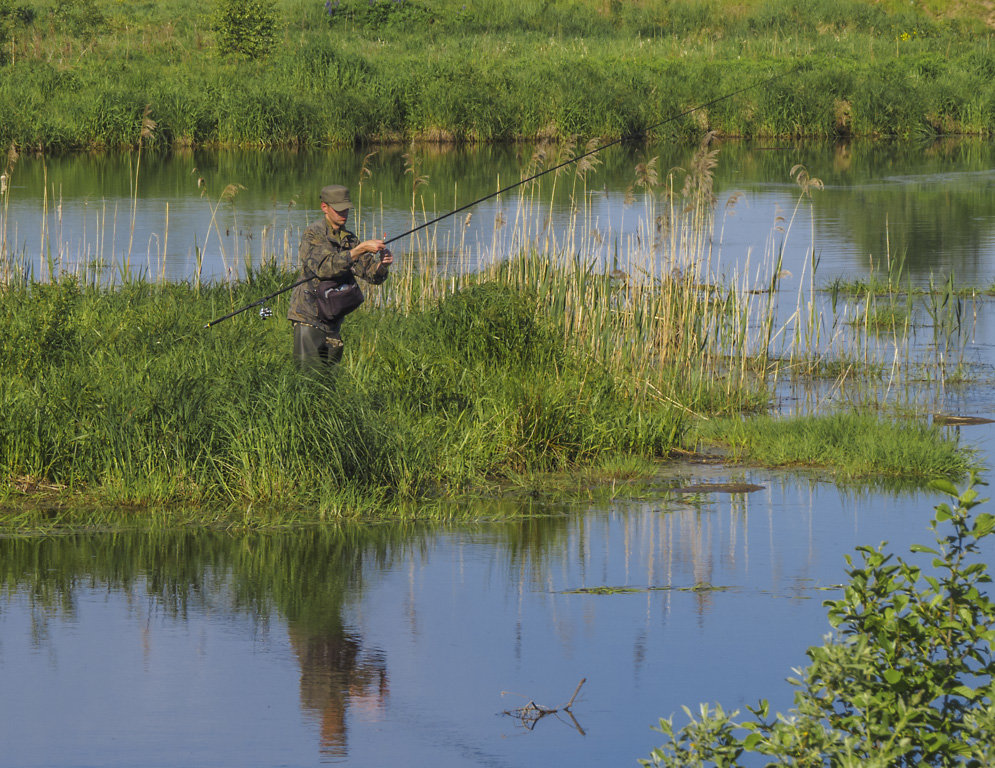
399	71
571	352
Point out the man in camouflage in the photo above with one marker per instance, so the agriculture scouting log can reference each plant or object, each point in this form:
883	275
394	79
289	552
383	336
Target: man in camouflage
329	251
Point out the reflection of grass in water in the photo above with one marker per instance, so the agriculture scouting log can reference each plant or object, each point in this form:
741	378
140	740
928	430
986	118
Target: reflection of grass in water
606	590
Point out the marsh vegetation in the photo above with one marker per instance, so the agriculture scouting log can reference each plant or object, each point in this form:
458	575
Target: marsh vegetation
83	74
456	380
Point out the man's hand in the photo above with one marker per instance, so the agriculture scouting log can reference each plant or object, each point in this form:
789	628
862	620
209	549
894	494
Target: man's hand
367	246
386	257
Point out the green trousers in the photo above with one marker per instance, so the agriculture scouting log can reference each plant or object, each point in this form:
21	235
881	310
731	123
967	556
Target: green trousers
316	346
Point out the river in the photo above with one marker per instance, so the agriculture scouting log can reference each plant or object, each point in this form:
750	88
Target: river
407	644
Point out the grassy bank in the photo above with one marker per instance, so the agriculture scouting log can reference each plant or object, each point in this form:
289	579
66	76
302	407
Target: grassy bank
850	445
79	74
121	393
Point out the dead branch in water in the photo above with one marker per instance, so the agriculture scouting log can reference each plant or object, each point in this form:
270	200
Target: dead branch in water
532	713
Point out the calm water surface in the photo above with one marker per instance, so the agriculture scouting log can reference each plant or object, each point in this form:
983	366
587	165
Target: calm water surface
929	205
393	644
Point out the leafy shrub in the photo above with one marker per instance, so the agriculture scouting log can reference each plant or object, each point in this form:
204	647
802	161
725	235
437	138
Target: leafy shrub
245	27
6	27
16	14
378	13
908	680
10	17
79	18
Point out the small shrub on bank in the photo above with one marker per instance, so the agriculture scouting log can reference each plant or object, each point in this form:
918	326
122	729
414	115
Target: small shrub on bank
377	14
245	28
12	16
80	18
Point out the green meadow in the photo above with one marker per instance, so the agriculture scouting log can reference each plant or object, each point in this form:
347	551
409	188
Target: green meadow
92	74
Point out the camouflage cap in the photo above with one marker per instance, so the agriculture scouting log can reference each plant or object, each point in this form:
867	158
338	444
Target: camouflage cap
336	196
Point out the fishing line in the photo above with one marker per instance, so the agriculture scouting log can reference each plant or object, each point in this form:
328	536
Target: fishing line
533	177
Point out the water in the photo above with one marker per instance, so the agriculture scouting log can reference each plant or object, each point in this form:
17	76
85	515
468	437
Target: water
392	644
929	206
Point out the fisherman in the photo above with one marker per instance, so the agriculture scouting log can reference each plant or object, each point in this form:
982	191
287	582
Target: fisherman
332	257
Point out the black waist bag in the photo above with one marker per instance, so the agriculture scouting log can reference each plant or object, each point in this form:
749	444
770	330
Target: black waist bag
336	300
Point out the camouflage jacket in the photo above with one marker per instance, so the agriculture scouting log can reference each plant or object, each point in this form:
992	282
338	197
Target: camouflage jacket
324	253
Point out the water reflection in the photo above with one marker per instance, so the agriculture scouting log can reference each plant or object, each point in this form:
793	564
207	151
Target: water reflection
391	643
336	674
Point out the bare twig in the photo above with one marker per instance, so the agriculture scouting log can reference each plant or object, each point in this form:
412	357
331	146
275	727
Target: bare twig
576	691
532	713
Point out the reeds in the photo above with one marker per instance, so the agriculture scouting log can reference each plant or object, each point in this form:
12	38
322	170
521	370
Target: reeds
544	349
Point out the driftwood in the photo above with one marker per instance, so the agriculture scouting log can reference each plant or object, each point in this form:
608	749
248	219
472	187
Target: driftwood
532	713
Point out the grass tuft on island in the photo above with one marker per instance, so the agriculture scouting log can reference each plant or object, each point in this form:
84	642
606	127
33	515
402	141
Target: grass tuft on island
849	445
117	398
120	394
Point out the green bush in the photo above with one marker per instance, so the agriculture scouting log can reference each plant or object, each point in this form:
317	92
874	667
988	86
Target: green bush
79	18
378	13
6	28
10	17
245	27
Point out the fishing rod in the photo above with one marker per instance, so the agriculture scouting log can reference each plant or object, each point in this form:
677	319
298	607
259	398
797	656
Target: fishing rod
577	158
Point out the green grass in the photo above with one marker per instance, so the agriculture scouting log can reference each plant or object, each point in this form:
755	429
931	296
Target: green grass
850	445
891	318
120	392
79	74
117	397
511	376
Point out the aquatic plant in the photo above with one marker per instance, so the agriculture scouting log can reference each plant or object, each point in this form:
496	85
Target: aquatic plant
906	679
850	445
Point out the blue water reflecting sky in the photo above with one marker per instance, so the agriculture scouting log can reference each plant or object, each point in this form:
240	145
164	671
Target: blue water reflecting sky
414	672
928	205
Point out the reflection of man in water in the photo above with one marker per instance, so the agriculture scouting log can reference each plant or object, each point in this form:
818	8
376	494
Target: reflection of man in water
335	672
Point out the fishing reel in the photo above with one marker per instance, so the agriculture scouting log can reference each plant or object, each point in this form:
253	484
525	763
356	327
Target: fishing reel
265	313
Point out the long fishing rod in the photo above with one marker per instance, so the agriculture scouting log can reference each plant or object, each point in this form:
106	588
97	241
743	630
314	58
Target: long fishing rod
533	177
